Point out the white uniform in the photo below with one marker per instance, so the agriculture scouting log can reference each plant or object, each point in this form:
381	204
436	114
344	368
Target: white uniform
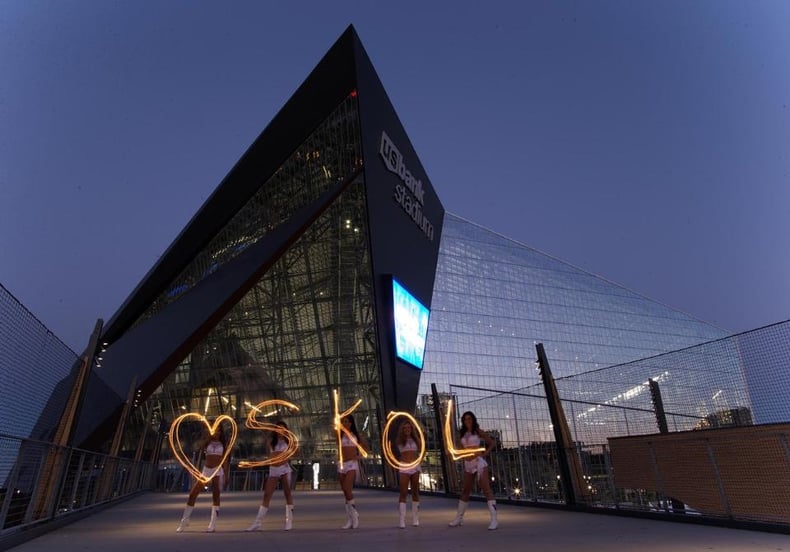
474	465
411	445
284	469
213	472
348	465
214	448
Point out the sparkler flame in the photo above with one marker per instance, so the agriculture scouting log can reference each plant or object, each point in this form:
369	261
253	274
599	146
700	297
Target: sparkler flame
338	425
386	443
456	454
290	437
178	449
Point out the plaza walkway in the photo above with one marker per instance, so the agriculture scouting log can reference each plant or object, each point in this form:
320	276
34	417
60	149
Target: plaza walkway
147	524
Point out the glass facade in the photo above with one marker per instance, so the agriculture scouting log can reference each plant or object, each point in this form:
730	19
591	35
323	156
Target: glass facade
323	159
306	328
495	298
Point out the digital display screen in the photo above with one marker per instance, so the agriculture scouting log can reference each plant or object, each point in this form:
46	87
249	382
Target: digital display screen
411	325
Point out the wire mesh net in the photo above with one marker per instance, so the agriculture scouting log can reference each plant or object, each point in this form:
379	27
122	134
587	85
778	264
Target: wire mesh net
707	431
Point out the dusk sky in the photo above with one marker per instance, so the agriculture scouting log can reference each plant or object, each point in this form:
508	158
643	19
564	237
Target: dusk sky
646	142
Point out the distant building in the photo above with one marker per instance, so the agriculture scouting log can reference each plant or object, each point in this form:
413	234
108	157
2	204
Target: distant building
732	417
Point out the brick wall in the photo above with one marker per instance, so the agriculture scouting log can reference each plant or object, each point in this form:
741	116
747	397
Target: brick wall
741	472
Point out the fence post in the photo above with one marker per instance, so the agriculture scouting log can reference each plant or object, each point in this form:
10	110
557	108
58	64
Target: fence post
51	476
722	492
658	406
661	419
610	476
570	467
657	476
437	407
518	444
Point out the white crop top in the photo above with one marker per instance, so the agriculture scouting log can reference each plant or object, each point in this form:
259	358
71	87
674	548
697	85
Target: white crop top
280	446
215	447
470	440
346	441
410	445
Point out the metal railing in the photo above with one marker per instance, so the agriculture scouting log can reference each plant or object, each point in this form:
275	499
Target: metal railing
42	482
740	381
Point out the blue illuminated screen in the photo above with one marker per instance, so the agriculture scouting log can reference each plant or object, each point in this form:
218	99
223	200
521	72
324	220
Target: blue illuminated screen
411	325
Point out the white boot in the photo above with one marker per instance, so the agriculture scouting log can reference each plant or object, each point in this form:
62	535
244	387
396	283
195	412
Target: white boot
352	510
213	522
415	514
459	515
492	510
289	516
256	525
349	523
185	518
402	510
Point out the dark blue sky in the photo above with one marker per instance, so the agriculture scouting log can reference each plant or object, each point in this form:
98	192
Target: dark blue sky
648	143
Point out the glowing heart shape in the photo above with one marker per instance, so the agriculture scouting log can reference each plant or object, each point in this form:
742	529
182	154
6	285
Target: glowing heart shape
178	450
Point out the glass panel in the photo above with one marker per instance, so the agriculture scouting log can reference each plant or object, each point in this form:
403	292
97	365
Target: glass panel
326	157
495	298
306	328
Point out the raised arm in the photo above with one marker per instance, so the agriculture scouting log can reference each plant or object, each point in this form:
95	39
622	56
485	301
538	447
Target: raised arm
362	442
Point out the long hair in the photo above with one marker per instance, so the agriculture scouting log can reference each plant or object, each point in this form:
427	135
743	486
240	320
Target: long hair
353	428
276	436
400	440
475	427
221	438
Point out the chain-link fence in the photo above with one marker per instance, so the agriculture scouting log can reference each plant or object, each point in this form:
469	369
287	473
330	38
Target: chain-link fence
40	481
686	402
32	362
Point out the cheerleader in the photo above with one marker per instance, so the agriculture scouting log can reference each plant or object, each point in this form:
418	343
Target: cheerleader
215	450
472	436
348	468
408	446
278	473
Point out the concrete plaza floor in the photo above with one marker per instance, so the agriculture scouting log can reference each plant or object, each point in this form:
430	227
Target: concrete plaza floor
147	523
